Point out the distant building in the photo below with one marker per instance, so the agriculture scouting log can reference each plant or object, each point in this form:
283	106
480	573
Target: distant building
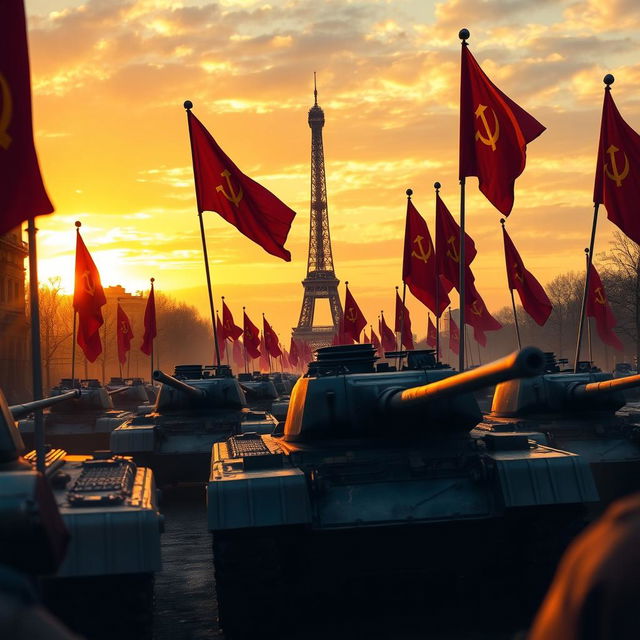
15	368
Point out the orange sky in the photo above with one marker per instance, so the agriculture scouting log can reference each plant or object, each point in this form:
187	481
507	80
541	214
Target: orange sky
110	77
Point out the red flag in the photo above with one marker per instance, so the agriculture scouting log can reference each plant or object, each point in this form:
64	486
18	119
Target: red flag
22	192
354	320
230	329
365	338
375	341
265	364
222	187
476	314
598	308
448	245
238	355
150	329
419	267
454	336
251	337
222	342
532	296
431	334
617	183
270	339
403	323
88	299
494	133
293	353
386	335
124	333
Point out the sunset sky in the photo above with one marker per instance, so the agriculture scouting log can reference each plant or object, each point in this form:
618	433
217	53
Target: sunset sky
109	78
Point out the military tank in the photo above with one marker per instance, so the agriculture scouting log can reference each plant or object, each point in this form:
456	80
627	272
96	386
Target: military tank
194	409
259	390
103	587
129	394
377	472
578	412
79	424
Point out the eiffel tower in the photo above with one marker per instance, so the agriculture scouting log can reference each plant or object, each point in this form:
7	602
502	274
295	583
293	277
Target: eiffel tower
321	281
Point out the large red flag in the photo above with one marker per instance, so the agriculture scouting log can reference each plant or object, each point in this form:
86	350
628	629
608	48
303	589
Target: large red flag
124	333
419	268
22	192
454	336
617	183
431	334
354	320
476	314
448	246
247	205
270	339
532	296
231	330
251	337
386	335
598	308
375	341
150	328
403	323
293	353
88	300
494	133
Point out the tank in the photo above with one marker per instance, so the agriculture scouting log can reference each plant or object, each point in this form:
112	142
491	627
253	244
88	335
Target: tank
102	587
268	392
195	408
377	473
129	394
80	424
578	412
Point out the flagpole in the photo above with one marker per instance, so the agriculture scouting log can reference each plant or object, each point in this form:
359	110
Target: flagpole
436	186
244	346
73	352
586	251
188	105
265	344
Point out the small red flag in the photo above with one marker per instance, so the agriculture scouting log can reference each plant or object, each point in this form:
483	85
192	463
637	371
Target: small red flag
403	323
375	341
230	329
265	365
354	320
270	339
124	333
88	300
598	308
431	334
238	355
150	329
448	246
251	337
419	267
293	353
454	336
22	192
223	188
494	133
386	335
365	338
476	314
532	296
220	334
617	183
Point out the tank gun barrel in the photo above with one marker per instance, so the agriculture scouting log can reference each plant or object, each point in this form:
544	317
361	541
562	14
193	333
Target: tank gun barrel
21	410
192	392
527	362
115	392
593	389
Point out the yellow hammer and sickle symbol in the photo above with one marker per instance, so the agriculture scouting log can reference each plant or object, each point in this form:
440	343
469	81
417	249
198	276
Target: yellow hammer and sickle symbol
6	111
452	252
491	138
421	255
123	327
351	315
616	175
234	197
476	309
89	287
516	274
600	296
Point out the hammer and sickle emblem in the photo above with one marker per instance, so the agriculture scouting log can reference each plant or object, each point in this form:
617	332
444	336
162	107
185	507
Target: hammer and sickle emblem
516	274
421	254
452	251
600	296
234	197
89	287
492	136
6	111
476	308
615	174
124	328
351	314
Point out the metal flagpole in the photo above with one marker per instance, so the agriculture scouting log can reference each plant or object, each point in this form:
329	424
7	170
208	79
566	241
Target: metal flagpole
226	342
265	344
436	186
36	359
188	105
588	320
151	379
244	347
513	302
73	352
464	34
